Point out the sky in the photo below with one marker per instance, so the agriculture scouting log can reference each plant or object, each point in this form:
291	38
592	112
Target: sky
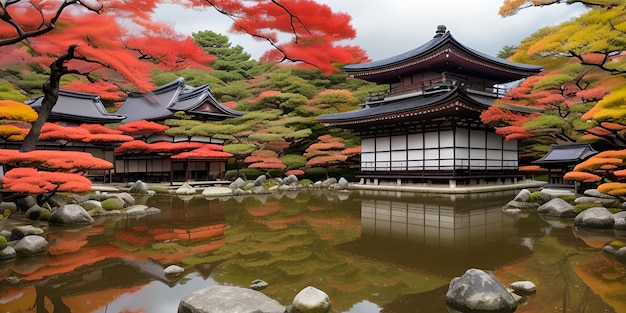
391	27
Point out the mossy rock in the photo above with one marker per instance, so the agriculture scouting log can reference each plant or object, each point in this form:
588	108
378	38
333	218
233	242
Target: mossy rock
583	206
3	243
570	199
306	182
44	215
535	197
113	203
159	189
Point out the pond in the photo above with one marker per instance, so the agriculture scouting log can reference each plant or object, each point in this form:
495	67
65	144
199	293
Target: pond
370	251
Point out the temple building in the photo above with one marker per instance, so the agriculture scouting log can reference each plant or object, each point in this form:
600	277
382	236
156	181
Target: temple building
76	108
158	105
426	127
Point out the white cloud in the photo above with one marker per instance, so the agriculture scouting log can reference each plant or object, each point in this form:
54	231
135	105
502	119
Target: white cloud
387	28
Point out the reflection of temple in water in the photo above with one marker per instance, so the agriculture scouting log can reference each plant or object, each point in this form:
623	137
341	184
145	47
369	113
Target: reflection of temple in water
448	221
437	233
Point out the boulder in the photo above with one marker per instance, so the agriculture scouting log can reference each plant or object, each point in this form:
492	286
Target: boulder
8	205
228	299
259	190
548	194
290	180
620	224
139	187
71	214
557	207
522	196
113	203
258	284
617	252
259	181
7	253
478	290
31	245
329	181
24	203
185	189
79	199
33	212
600	201
217	192
6	234
22	231
311	300
342	183
125	196
597	217
91	205
514	204
238	183
595	193
523	287
173	270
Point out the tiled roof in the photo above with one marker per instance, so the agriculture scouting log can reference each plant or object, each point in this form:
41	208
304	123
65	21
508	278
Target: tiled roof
567	154
415	107
449	51
163	102
78	107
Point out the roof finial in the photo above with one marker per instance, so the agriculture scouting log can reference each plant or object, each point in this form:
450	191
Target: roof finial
441	30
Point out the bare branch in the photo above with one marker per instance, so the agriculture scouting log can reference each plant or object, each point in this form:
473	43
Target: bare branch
44	27
270	41
601	65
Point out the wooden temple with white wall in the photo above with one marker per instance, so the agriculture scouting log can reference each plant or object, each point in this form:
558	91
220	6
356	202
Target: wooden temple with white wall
426	128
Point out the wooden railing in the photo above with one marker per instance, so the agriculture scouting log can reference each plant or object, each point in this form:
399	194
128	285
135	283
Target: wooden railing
435	86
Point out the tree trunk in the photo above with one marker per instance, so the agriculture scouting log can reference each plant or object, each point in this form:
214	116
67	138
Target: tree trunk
50	96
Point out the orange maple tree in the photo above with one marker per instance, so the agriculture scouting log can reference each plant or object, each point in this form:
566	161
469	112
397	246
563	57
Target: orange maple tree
607	168
15	119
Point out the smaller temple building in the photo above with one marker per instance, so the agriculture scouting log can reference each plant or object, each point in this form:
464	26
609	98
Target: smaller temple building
562	158
426	127
158	105
76	109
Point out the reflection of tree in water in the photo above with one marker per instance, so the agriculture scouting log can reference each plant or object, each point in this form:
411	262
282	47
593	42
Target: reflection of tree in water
54	296
289	241
556	252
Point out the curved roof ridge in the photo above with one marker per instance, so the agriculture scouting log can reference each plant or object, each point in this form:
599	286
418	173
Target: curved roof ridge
396	106
440	40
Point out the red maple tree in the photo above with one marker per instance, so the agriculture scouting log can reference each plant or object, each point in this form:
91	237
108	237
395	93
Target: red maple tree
120	42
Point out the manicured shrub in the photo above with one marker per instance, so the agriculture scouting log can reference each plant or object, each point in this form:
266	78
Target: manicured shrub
315	173
246	173
274	173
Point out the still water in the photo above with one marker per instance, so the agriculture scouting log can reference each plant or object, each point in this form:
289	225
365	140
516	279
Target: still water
369	251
